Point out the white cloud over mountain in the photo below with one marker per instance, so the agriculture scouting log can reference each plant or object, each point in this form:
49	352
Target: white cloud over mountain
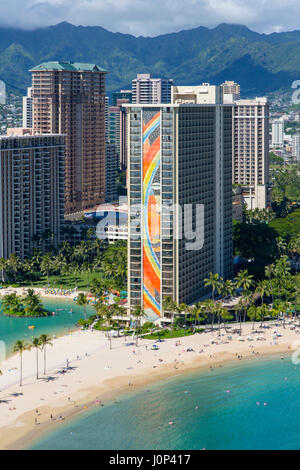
153	17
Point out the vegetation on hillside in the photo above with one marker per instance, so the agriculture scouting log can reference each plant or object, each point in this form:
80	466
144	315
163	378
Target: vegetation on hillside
225	52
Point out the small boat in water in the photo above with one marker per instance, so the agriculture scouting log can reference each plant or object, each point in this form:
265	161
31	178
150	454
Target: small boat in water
31	327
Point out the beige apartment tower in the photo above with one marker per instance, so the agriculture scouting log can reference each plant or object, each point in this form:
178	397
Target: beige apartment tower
69	98
251	151
231	91
31	193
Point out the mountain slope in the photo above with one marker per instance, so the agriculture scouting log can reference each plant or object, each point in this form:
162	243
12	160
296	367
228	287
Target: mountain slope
259	62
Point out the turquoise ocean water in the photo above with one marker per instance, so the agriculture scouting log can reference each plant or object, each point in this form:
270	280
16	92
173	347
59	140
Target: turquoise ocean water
228	414
14	329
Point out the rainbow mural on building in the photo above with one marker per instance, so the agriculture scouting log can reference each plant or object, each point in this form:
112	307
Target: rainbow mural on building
151	208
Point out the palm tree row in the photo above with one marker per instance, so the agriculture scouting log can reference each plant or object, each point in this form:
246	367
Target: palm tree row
279	285
85	257
39	344
30	305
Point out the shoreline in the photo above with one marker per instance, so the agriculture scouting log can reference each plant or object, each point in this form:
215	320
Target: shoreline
34	435
146	367
20	291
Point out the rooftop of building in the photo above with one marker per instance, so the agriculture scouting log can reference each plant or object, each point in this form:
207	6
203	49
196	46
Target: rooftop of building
174	105
260	100
29	136
68	66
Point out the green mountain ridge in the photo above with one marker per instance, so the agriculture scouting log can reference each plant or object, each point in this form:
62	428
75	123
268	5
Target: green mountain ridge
261	63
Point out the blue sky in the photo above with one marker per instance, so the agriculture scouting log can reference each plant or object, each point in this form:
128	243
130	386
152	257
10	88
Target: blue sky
153	17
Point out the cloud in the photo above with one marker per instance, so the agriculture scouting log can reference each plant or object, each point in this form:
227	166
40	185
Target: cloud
152	17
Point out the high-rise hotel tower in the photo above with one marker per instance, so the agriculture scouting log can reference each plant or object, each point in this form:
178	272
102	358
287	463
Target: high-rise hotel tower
69	98
180	197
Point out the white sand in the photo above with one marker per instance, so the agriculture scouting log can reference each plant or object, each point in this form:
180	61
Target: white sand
21	291
104	372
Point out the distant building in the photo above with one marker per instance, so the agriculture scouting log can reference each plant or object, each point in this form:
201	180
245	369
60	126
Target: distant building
27	109
121	95
204	94
118	130
296	146
113	220
10	131
32	193
277	133
69	98
148	90
251	151
107	126
231	91
237	204
112	165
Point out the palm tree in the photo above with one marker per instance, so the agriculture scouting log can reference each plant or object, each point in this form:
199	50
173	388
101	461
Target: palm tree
211	309
269	273
137	313
109	320
28	267
182	308
215	282
219	312
253	314
44	341
98	288
11	304
37	345
281	245
239	309
46	265
261	289
82	301
228	288
3	266
20	347
118	311
14	264
87	269
199	313
59	265
244	280
169	306
33	304
262	312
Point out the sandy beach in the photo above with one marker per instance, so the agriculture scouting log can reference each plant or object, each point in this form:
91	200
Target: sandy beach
43	292
97	373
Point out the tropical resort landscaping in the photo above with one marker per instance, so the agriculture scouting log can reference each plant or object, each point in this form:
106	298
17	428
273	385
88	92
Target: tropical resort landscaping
28	306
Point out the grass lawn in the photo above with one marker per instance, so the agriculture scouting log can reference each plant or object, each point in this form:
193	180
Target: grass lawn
67	281
166	334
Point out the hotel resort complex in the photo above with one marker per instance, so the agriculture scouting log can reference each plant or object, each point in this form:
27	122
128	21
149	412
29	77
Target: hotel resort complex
179	191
